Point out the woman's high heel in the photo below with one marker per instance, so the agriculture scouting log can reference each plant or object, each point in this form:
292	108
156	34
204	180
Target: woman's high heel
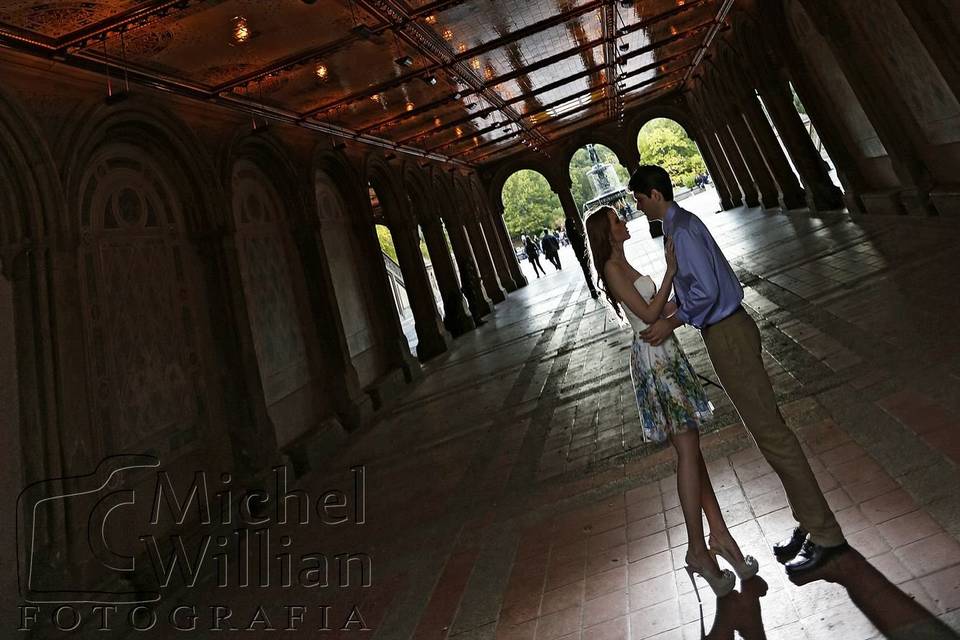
721	584
745	570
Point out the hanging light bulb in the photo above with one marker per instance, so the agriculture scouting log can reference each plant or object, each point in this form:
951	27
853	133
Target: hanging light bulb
322	71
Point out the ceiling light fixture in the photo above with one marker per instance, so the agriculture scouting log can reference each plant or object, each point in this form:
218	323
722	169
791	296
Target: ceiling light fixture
404	61
430	80
322	72
241	32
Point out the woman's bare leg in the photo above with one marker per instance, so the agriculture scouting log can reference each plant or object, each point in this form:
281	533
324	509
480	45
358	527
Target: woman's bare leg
719	534
690	490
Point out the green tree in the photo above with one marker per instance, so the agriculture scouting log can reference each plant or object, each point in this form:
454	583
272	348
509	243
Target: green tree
664	142
529	204
386	242
580	163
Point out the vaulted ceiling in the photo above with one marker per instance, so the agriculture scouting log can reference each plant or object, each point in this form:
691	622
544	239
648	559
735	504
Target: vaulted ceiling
464	80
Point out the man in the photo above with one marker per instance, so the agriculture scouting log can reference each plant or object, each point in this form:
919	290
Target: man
551	248
708	296
533	255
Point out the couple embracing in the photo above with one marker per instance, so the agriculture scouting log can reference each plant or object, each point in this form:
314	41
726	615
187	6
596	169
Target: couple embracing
670	398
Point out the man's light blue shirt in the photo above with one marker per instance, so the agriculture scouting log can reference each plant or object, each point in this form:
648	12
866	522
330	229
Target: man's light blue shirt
706	288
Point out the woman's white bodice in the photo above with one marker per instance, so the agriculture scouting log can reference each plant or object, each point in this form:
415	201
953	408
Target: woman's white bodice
646	287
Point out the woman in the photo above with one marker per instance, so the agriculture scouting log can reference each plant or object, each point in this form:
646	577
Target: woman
671	401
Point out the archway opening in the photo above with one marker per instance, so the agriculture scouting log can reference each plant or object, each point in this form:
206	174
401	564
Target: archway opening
597	178
398	288
664	142
529	207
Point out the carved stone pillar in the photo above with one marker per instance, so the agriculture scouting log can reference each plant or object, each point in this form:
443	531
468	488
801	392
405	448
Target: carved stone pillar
386	316
488	274
470	282
431	340
792	194
455	316
717	171
751	195
496	250
743	138
353	407
500	227
888	111
576	233
823	194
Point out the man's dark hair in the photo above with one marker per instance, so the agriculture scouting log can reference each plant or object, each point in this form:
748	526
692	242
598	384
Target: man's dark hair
649	177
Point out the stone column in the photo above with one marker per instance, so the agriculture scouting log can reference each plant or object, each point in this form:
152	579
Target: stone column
386	316
496	250
940	35
477	301
823	194
500	227
743	138
718	174
578	236
891	116
455	318
431	340
791	193
353	406
751	195
488	274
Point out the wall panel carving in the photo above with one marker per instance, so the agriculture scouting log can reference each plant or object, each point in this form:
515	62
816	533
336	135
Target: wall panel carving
145	379
264	248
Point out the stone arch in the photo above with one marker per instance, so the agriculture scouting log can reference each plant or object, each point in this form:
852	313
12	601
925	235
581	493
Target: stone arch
344	223
583	137
263	190
142	202
510	167
30	205
385	181
680	114
142	124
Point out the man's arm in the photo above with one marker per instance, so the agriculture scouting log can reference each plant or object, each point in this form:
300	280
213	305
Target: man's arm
696	267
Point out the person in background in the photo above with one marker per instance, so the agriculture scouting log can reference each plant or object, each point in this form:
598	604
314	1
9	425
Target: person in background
533	255
551	248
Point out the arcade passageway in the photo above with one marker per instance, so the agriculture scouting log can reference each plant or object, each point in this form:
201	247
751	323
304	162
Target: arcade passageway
255	261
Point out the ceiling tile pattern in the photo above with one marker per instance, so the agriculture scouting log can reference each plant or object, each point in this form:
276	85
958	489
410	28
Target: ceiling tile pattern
471	80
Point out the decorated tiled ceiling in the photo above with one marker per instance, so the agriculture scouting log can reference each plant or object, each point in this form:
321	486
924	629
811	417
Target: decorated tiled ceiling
464	80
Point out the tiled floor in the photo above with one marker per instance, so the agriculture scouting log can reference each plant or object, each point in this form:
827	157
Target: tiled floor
509	495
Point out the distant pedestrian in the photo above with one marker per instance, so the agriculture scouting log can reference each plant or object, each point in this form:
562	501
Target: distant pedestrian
533	255
551	248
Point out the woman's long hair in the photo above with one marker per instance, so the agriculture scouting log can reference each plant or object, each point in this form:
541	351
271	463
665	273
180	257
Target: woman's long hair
598	235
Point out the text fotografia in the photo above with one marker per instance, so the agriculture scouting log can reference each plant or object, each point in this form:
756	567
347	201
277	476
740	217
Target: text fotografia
218	617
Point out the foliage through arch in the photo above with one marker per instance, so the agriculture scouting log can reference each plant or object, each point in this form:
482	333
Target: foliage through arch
529	204
664	142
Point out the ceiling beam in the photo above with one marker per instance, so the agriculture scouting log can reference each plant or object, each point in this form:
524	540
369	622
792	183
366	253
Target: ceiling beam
519	34
431	45
581	108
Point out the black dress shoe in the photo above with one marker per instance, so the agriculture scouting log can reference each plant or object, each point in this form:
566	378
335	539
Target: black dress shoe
789	548
813	557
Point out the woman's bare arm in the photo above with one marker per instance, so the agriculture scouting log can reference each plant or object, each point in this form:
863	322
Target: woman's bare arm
622	286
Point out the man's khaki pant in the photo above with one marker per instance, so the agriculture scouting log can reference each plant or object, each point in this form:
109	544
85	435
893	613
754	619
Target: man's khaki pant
734	348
